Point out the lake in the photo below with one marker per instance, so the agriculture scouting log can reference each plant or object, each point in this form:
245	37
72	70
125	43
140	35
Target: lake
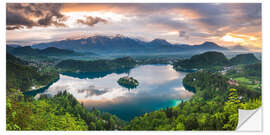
160	86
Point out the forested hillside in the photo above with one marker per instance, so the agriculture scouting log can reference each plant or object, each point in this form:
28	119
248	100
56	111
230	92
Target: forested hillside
29	51
244	59
213	60
97	65
22	76
61	112
204	60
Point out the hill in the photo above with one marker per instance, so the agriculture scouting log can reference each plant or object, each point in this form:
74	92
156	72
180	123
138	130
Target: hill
15	60
244	59
26	50
53	51
29	51
22	76
14	45
97	65
204	60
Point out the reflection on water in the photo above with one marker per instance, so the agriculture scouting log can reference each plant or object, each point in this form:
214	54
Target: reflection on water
159	86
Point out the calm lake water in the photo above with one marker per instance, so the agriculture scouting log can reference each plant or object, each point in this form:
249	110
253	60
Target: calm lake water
160	86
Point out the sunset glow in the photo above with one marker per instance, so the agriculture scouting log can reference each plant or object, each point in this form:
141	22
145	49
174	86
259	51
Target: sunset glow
230	38
224	24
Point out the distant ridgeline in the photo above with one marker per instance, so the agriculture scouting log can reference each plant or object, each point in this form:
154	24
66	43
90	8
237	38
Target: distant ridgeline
120	44
22	76
213	59
29	51
97	65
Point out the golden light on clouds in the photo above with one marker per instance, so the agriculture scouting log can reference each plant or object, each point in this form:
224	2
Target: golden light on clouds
177	23
84	7
242	39
187	13
231	38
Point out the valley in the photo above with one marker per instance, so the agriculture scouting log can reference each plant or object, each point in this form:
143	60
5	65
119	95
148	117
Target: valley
132	66
175	89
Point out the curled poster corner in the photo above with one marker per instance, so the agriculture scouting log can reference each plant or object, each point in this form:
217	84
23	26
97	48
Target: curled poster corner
249	120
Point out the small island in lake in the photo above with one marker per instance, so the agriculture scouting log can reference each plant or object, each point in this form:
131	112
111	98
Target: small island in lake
128	82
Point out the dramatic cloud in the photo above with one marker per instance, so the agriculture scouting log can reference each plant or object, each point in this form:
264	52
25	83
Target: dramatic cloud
91	21
187	36
15	20
13	27
189	23
34	14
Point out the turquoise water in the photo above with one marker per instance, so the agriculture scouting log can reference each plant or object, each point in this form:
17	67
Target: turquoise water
160	86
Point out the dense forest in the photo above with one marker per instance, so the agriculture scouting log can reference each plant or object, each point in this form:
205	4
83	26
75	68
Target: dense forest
22	76
213	60
97	65
205	60
50	51
244	59
213	107
61	112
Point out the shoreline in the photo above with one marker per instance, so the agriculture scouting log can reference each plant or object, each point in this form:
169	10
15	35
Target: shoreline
41	89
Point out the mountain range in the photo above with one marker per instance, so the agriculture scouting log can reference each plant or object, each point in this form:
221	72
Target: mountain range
122	44
212	59
118	44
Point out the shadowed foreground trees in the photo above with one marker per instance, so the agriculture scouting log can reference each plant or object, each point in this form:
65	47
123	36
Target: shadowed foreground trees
62	112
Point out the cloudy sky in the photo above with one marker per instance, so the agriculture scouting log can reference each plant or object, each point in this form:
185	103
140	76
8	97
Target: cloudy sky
187	23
